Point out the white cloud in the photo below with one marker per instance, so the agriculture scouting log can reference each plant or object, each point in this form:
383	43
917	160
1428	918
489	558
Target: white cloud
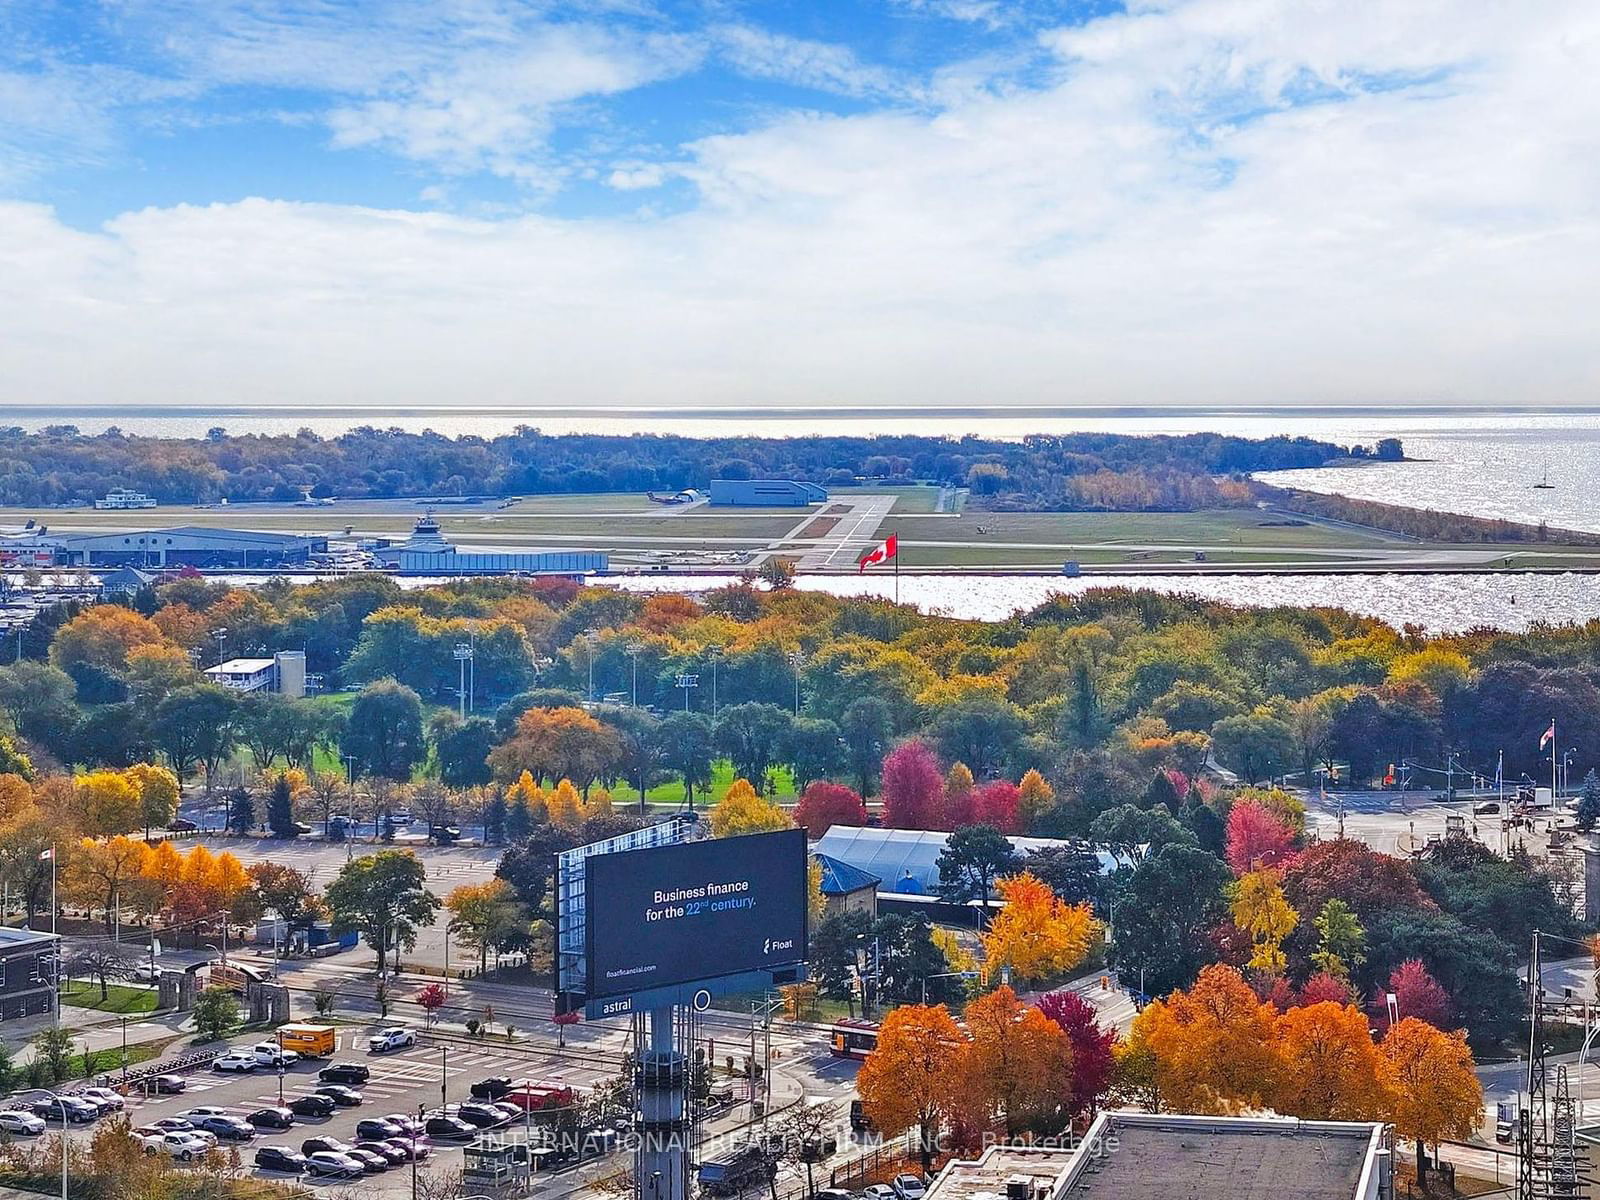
1169	221
803	62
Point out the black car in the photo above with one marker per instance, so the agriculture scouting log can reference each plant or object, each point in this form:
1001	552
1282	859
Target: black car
371	1163
342	1096
491	1088
414	1150
183	825
345	1073
383	1150
449	1127
271	1118
166	1085
377	1128
312	1106
280	1158
312	1144
481	1115
227	1129
78	1112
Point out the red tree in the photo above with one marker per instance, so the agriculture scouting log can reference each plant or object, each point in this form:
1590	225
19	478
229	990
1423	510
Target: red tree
998	804
1418	994
430	999
823	805
913	788
1366	880
1323	986
1091	1046
1256	838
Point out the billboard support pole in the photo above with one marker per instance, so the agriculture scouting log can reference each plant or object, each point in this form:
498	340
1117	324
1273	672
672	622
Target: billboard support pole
662	1168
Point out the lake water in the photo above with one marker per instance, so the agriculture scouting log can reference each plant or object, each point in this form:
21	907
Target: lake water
1440	603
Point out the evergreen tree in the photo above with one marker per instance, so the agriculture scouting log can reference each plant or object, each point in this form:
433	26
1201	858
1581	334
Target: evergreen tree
494	821
1589	802
241	811
280	809
519	821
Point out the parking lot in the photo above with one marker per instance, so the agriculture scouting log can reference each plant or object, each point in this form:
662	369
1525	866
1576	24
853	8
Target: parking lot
401	1082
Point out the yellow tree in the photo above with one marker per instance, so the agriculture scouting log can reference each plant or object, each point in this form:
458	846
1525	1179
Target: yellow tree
102	637
913	1076
231	885
1430	1084
160	875
1214	1046
1259	909
566	806
1036	933
1034	796
15	797
958	780
743	811
1330	1066
956	956
816	902
530	797
485	916
1017	1065
158	793
109	803
100	871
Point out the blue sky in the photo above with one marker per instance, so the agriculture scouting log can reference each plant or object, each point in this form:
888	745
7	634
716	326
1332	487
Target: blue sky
841	201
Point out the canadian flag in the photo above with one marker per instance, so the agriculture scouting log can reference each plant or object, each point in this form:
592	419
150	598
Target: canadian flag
1549	736
881	553
47	855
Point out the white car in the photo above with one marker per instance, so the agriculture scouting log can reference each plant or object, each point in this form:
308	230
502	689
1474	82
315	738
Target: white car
340	1166
108	1100
909	1187
21	1122
235	1060
145	973
395	1038
181	1146
268	1054
205	1111
878	1191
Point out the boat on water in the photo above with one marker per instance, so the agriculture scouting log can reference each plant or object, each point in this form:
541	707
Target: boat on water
1544	479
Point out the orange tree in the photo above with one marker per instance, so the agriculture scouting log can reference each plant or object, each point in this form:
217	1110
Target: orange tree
1432	1089
1330	1066
557	743
1017	1068
1036	934
913	1076
1213	1047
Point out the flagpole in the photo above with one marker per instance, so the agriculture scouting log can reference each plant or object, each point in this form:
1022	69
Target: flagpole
57	948
897	572
1554	742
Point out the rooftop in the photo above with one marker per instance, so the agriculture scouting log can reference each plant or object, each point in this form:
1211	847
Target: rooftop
840	878
241	666
11	937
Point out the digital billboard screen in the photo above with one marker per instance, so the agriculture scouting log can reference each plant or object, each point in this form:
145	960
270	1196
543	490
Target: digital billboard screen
673	915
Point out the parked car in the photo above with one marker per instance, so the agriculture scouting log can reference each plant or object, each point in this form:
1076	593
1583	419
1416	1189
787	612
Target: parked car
201	1112
317	1145
182	825
491	1088
334	1165
271	1118
396	1037
312	1106
409	1126
269	1054
228	1129
235	1060
343	1096
909	1187
16	1121
66	1108
1504	1133
878	1191
166	1085
345	1073
414	1149
836	1194
383	1150
104	1099
371	1164
377	1128
858	1117
442	1125
184	1147
280	1158
179	1125
484	1116
146	973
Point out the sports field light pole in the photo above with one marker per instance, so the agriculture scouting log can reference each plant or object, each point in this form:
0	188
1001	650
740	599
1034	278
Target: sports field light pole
634	650
686	682
463	655
715	651
795	659
591	637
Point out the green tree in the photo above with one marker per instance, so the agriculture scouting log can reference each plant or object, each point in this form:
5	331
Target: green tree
753	736
1071	871
1166	908
867	728
461	749
494	820
216	1014
1136	833
196	726
1257	745
973	857
687	749
1341	941
638	736
280	808
981	730
53	1050
385	897
384	733
1589	802
813	750
835	951
241	811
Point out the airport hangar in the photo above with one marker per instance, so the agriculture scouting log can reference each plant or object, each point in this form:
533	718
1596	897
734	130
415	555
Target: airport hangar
186	545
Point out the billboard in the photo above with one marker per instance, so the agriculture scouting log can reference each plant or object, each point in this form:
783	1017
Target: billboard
695	913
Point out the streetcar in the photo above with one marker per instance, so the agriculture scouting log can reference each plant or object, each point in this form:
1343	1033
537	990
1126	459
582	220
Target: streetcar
851	1037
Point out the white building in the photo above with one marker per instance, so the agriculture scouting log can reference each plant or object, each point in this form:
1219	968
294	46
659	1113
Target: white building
125	498
284	672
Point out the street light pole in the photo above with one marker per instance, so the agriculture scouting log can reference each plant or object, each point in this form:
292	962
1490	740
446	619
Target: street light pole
590	638
634	650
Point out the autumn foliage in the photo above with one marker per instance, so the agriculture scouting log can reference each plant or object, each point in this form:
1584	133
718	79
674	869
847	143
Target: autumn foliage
1036	934
1257	837
823	805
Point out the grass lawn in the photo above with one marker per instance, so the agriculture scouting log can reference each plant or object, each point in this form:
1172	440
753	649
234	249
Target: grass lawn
1241	528
911	498
669	796
120	997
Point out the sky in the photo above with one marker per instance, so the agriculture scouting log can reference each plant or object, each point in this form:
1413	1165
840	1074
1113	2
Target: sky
808	203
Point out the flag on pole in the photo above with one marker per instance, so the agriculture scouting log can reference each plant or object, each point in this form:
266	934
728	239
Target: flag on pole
1549	735
47	855
881	553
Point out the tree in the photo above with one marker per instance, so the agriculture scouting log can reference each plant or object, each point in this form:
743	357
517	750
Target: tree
1260	911
384	732
486	916
1135	833
37	698
686	750
558	743
1418	994
430	999
109	803
1256	837
159	794
101	964
1341	941
913	1076
973	857
53	1048
1071	871
241	811
285	891
1214	1046
1092	1048
1330	1066
495	814
1168	906
385	897
280	809
913	789
742	811
1034	796
753	736
639	742
462	750
102	637
823	805
1257	745
1431	1084
1589	802
866	727
105	868
813	749
1036	934
1017	1068
195	726
835	942
216	1014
